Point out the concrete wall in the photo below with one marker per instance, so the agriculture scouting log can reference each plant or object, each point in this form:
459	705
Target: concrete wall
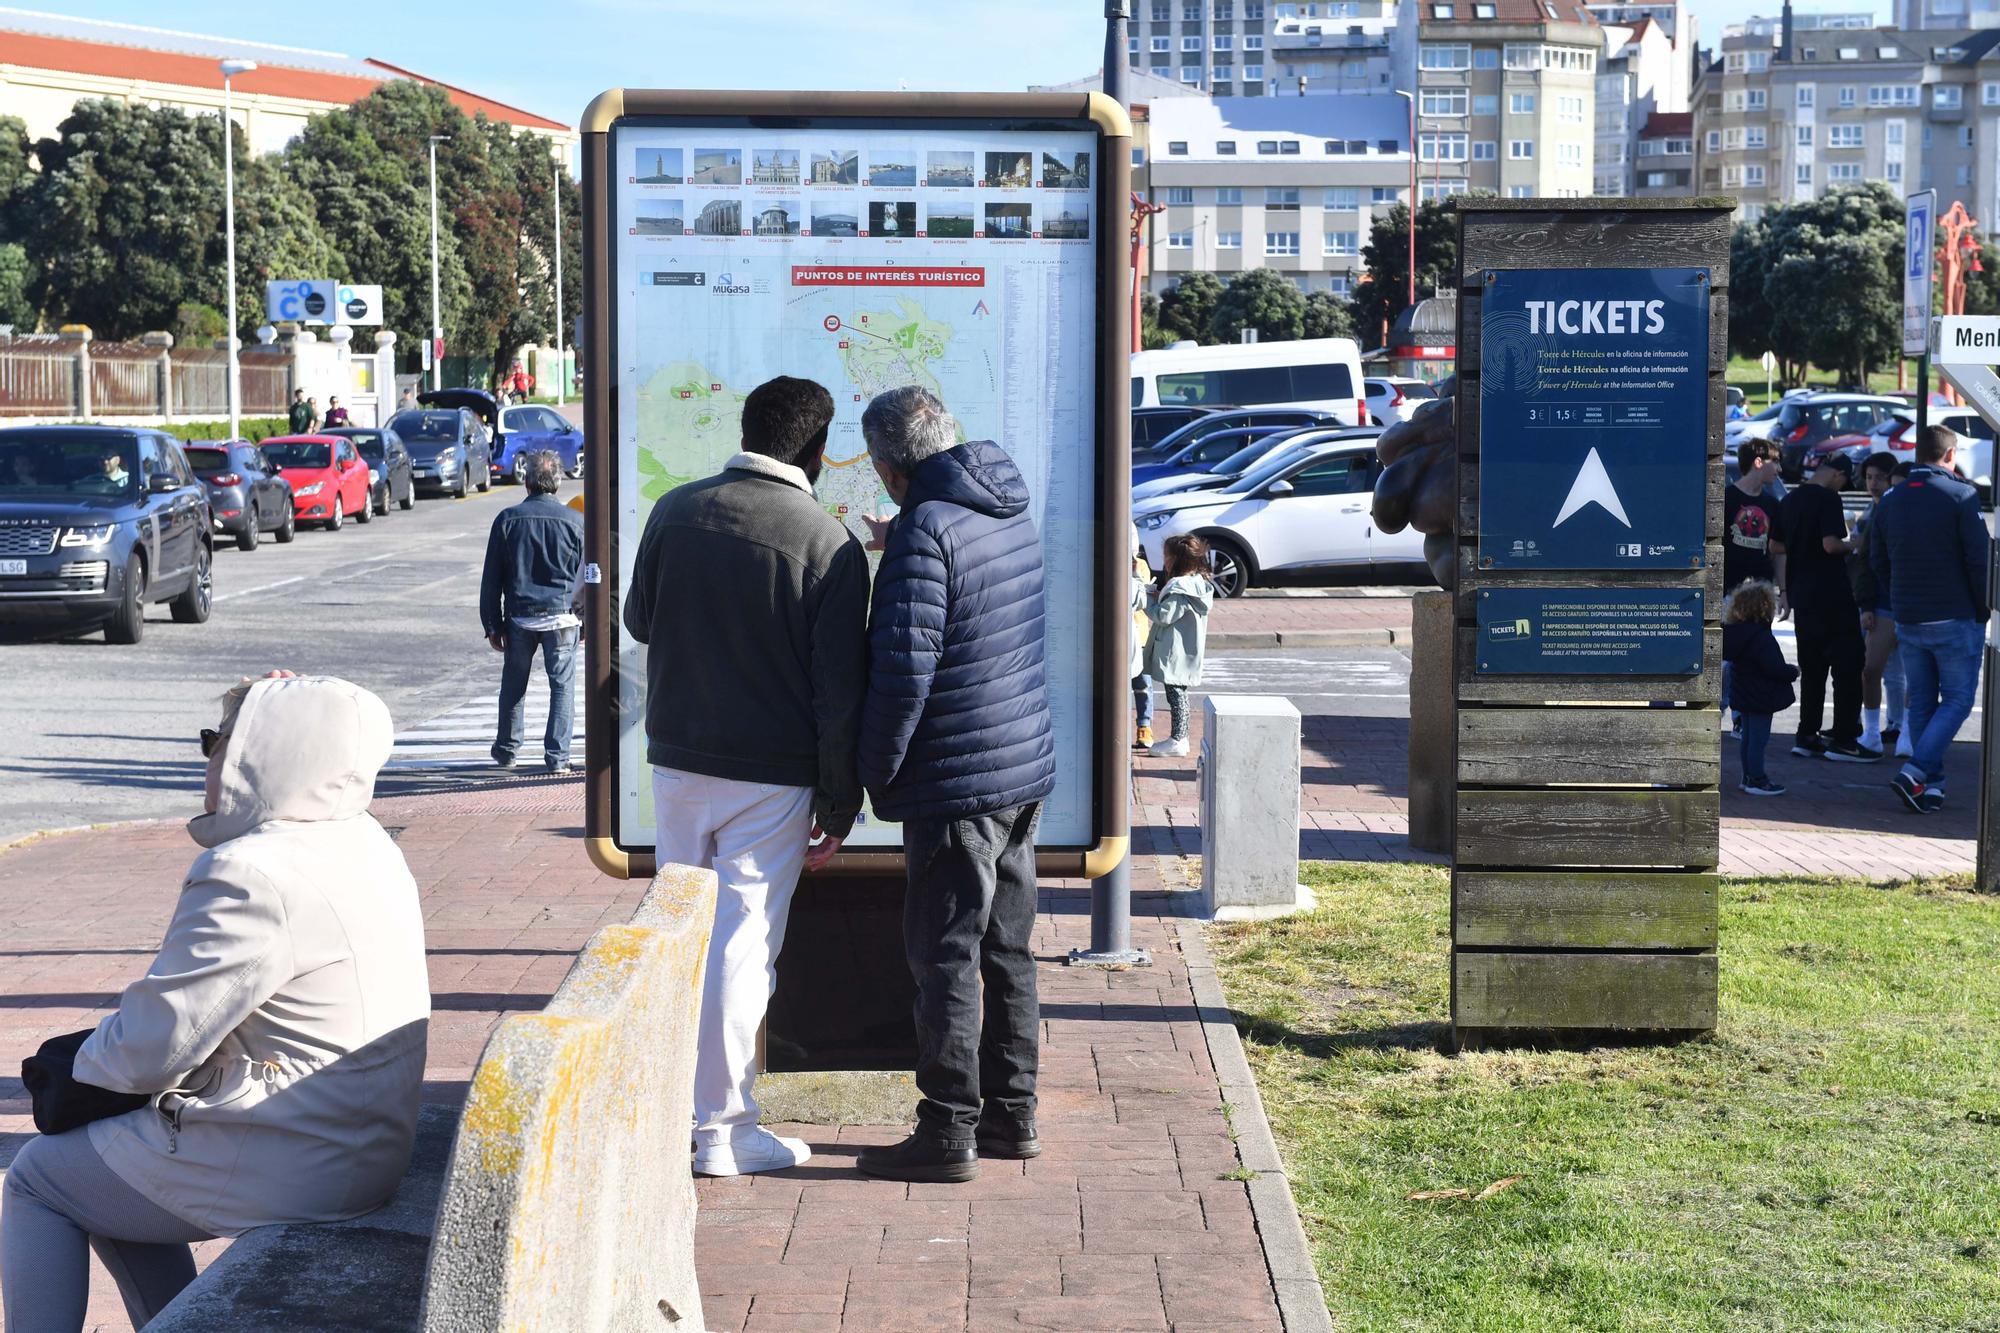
569	1203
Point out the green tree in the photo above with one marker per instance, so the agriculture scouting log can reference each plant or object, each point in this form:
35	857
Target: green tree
1832	280
278	236
17	276
1262	299
1151	335
197	325
1327	316
124	221
1188	308
1384	288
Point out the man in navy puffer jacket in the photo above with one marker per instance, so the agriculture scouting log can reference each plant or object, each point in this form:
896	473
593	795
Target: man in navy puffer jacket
956	745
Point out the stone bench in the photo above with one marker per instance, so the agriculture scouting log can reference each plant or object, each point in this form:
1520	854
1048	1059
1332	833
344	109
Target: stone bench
560	1197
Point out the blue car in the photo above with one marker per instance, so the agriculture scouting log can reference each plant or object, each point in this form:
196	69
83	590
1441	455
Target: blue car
1204	453
523	430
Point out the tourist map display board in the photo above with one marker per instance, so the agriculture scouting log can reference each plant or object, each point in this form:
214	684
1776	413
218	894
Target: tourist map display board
918	243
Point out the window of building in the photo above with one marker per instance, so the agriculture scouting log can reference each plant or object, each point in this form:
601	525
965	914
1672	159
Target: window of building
1385	194
1732	138
1521	150
1843	136
1444	101
1138	157
1886	53
1753	176
1281	200
1677	147
1715	141
1253	42
1442	11
1753	136
1190	73
1652	180
1163	71
1177	148
1487	104
1163	13
1759	61
1430	190
1843	171
1520	104
1225	148
1224	42
1267	147
1163	43
1893	172
1850	53
1433	146
1803	136
1253	9
1732	177
1190	13
1520	191
1570	109
1336	147
1732	63
1570	154
1846	98
1132	46
1805	94
1484	58
1288	148
1180	240
1444	55
1224	12
1754	99
1253	74
1228	195
1340	284
1388	146
1342	199
1892	133
1893	94
1947	97
1180	194
1486	150
1229	240
1342	243
1521	55
1281	242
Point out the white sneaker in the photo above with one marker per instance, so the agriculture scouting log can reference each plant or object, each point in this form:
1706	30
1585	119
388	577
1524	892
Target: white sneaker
1170	749
759	1150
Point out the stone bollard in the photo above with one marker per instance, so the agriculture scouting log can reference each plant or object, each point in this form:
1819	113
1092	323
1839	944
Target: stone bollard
1250	808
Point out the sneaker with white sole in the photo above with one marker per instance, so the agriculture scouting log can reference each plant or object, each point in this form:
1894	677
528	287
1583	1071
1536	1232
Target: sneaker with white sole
755	1152
1850	752
1171	749
1765	787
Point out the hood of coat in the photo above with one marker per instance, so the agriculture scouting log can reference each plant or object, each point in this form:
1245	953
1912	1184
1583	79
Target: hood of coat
305	749
977	475
1193	587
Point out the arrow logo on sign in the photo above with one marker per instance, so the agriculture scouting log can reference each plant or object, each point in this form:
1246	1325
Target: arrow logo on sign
1592	487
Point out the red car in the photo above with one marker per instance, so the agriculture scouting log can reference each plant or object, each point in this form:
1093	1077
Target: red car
328	478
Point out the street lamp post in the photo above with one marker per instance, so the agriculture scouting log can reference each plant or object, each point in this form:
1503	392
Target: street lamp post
230	69
562	366
437	316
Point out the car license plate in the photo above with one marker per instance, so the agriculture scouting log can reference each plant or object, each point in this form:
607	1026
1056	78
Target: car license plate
13	566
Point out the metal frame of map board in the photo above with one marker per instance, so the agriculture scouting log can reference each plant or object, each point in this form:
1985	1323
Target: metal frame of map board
1072	112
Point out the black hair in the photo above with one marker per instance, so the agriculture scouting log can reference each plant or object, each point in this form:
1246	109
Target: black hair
787	419
1881	461
1752	452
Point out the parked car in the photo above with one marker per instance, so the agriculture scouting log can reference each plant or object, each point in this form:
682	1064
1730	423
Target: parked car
1805	420
97	523
485	409
246	496
1321	373
1150	425
1301	513
1199	456
523	430
449	449
390	482
1392	399
1898	435
1233	418
328	479
1258	450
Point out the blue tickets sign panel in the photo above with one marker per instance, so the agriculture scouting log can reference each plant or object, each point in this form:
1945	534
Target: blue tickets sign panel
1593	419
1590	631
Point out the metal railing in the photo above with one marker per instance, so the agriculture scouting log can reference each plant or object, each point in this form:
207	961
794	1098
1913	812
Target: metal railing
124	378
37	377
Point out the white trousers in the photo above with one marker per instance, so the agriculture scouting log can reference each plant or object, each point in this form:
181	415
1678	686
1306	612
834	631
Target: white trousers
754	836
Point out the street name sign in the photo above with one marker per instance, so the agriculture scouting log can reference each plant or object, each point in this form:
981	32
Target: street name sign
1919	251
1593	410
1968	340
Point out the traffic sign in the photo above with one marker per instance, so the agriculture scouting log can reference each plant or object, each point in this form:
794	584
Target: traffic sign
1768	361
1593	419
1919	248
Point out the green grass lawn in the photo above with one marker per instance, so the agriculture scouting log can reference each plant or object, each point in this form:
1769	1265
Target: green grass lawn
1830	1159
1746	374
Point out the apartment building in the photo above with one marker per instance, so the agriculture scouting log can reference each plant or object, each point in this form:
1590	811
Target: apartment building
1348	46
1507	95
1643	72
1291	184
1950	15
1217	46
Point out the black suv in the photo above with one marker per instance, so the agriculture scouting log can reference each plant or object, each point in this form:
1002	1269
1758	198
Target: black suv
95	523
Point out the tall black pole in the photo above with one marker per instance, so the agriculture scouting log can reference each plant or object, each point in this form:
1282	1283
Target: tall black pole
1923	390
1111	893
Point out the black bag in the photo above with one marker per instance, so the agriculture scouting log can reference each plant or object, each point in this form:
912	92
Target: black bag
62	1102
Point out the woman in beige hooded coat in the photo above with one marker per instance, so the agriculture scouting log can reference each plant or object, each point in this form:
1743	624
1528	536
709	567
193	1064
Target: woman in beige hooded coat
279	1032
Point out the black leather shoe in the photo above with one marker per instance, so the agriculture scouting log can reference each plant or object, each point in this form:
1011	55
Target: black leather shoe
921	1158
1006	1136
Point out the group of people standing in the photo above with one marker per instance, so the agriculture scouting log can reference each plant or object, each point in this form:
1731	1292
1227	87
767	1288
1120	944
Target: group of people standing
303	416
1893	606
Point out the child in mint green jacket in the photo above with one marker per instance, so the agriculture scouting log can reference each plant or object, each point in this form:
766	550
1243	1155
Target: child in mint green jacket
1179	611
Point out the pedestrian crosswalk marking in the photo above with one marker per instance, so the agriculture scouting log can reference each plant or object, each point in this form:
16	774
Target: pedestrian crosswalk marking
463	737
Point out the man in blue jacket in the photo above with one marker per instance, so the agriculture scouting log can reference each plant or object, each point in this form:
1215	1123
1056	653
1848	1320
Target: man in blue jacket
956	746
528	595
1928	544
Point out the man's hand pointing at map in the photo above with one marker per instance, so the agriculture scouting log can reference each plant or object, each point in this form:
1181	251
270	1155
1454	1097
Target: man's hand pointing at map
878	529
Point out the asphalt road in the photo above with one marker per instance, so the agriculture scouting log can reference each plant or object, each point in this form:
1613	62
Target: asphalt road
95	733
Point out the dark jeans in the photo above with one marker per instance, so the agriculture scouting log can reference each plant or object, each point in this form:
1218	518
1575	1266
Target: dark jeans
558	650
967	917
1755	736
1830	641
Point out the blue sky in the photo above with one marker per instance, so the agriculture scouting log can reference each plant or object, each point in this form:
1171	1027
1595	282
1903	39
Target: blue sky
511	50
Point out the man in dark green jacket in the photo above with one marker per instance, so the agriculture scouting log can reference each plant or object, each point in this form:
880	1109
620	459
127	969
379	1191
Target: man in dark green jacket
753	602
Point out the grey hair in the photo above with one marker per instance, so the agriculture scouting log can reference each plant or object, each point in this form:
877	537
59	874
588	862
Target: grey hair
544	474
905	426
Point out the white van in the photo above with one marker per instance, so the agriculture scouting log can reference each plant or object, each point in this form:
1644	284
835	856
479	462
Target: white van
1323	373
